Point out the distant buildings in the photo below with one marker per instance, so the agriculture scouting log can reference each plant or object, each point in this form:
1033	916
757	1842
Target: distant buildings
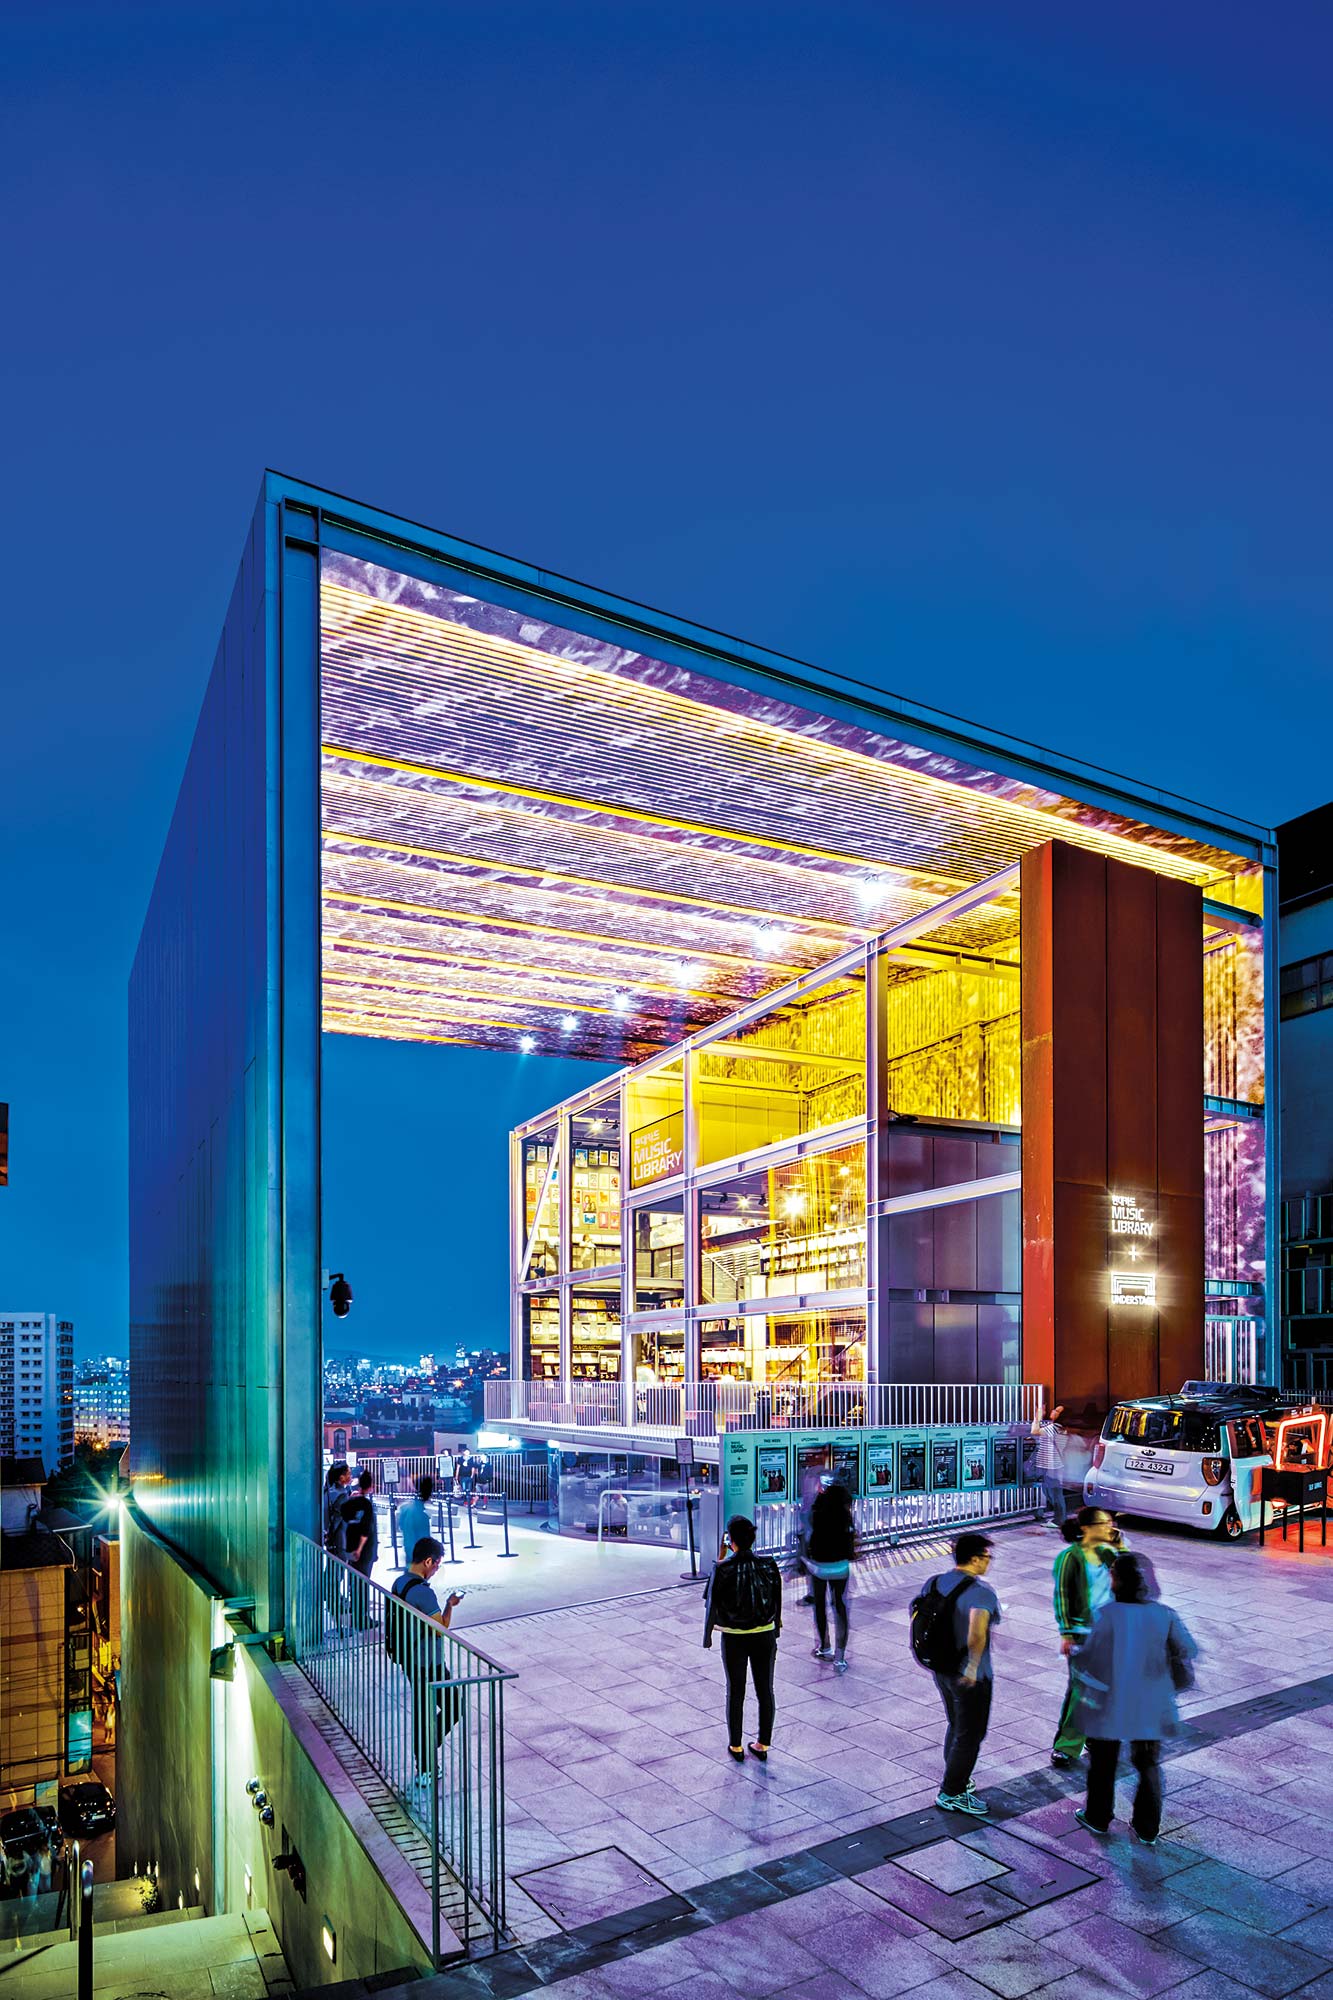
37	1388
102	1401
1305	951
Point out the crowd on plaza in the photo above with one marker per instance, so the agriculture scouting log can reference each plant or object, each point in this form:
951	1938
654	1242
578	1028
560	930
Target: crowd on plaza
1128	1653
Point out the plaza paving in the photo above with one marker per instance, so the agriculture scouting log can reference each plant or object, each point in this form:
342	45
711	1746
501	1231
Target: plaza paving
643	1861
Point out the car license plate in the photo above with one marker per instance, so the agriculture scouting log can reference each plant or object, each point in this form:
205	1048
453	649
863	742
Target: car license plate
1149	1465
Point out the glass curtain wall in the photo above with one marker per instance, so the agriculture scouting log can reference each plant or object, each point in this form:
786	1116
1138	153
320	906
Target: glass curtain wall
594	1208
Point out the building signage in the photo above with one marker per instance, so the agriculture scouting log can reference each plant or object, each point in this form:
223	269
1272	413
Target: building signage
657	1151
1127	1217
1133	1282
1133	1288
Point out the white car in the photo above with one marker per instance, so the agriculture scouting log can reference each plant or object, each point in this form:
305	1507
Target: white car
1191	1459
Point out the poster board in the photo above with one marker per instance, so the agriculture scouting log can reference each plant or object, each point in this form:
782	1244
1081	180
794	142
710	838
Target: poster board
946	1448
879	1454
975	1473
772	1468
913	1470
1004	1460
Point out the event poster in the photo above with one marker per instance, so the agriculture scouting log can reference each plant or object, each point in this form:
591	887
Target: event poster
771	1466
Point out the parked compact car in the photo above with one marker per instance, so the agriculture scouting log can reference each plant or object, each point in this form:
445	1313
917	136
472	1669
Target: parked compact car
87	1808
1193	1458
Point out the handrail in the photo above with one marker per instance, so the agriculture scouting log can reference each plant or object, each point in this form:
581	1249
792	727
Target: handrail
379	1664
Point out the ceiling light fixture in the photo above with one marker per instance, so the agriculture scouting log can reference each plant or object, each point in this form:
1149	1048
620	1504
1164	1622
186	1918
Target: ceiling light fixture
527	1043
568	1023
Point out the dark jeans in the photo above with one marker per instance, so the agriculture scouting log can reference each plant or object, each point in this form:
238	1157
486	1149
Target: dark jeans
822	1585
1103	1756
1053	1486
363	1607
968	1710
755	1653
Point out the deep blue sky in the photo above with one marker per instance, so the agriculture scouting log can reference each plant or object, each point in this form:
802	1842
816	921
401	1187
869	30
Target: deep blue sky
981	349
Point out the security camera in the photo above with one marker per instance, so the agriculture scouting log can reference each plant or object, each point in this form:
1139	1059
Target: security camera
340	1296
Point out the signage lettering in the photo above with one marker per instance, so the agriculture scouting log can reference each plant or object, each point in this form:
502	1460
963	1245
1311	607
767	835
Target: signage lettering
657	1151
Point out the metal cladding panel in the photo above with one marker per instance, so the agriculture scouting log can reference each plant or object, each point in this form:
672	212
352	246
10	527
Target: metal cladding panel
1112	1127
206	1112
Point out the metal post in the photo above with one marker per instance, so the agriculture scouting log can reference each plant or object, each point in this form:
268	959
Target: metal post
452	1556
435	1841
86	1931
72	1888
393	1527
689	1529
471	1530
508	1552
439	1518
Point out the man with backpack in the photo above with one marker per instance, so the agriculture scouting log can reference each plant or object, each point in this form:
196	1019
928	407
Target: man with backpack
952	1621
743	1601
415	1648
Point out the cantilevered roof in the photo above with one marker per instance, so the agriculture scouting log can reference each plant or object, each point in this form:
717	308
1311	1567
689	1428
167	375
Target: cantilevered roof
535	838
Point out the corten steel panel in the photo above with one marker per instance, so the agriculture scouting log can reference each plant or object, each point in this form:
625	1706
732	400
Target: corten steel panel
1038	1137
1112	999
1078	1012
1131	1021
225	1446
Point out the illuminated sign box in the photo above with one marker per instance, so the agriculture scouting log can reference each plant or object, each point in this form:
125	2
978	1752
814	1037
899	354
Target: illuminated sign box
1133	1288
657	1151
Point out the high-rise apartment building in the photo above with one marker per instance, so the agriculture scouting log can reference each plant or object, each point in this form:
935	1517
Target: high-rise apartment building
102	1401
37	1388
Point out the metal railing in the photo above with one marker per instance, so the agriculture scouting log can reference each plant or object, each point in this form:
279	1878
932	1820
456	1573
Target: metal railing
506	1471
884	1521
707	1409
425	1708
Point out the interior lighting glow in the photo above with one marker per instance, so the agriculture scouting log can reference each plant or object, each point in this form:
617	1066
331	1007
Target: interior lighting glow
527	1043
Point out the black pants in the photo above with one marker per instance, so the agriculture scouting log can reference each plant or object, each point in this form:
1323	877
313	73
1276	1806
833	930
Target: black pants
822	1585
968	1710
755	1653
363	1608
1103	1756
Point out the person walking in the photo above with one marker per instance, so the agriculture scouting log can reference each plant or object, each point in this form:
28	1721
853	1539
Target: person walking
743	1601
966	1692
1128	1670
1050	1435
1082	1580
421	1657
337	1482
361	1527
830	1549
413	1518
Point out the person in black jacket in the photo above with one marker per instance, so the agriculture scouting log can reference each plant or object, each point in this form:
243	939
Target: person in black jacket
830	1547
743	1601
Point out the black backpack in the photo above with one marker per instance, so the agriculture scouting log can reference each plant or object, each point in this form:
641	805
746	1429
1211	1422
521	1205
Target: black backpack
933	1643
745	1592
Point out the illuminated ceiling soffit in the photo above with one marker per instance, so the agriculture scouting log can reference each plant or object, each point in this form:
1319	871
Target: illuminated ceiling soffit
535	839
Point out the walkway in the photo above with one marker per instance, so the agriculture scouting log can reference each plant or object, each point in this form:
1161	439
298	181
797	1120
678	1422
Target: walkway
644	1862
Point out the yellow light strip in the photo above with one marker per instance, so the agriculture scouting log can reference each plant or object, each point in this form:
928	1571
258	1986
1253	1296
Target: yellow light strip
607	809
451	1020
530	967
352	1024
439	635
780	919
469	921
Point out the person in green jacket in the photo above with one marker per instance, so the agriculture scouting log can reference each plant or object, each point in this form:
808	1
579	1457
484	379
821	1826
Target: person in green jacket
1082	1578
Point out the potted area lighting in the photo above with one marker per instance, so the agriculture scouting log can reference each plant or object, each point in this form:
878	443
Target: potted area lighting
527	1043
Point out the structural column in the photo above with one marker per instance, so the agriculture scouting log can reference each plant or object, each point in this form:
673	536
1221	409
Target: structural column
1112	1151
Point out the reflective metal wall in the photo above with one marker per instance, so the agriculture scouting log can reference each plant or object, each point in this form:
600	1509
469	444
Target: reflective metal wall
223	1105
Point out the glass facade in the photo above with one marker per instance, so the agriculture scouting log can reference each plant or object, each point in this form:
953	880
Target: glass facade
786	1229
594	1217
797	1070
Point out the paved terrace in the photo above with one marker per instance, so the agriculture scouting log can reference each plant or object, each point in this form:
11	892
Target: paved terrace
643	1861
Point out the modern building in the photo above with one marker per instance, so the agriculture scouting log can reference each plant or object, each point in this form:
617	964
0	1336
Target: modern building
441	796
1305	932
37	1387
35	1571
102	1401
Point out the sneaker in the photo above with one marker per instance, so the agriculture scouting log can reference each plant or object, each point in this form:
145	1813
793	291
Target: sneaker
822	1653
1102	1832
840	1666
970	1802
1143	1839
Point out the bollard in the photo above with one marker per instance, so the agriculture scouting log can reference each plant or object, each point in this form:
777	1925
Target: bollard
439	1518
452	1556
691	1574
508	1552
86	1931
471	1529
393	1529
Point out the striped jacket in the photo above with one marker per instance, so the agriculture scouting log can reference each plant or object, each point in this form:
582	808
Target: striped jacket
1082	1584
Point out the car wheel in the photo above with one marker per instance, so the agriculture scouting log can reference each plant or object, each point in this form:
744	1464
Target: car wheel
1231	1526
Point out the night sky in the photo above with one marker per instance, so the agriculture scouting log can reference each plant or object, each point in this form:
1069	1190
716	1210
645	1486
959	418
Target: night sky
979	349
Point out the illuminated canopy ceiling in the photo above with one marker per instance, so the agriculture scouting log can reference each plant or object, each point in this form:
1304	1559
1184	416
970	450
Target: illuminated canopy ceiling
536	839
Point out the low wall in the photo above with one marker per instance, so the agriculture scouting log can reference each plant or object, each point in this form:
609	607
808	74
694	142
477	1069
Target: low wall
190	1745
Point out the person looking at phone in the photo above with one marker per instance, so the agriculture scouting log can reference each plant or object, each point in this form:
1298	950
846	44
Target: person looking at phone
420	1656
1082	1584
